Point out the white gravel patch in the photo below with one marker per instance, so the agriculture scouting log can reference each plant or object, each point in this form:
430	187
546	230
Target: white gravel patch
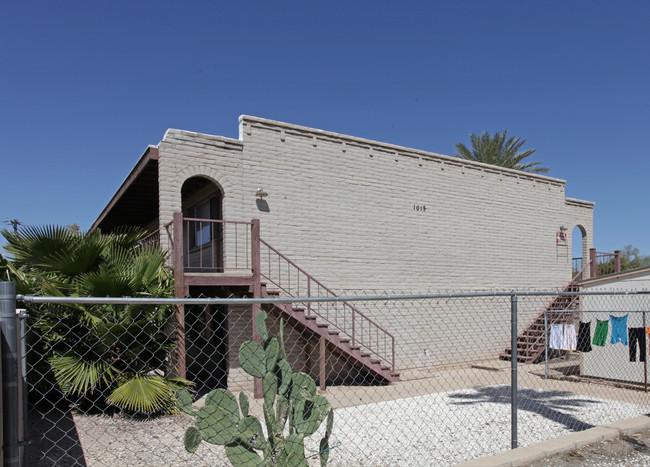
448	428
436	429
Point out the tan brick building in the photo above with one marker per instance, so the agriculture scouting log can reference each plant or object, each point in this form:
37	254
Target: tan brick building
355	214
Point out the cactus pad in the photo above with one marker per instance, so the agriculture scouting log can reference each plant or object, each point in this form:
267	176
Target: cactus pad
250	431
302	385
184	401
283	373
243	403
270	389
309	413
272	352
260	325
192	439
282	412
293	452
224	399
217	426
252	359
241	456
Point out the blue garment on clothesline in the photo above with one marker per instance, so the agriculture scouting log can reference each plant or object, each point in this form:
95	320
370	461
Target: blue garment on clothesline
619	329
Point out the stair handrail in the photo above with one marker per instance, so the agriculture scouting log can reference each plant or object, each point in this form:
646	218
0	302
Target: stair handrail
575	278
566	289
355	339
571	284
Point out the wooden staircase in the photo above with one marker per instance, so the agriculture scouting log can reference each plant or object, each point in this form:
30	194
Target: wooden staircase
342	325
296	316
531	343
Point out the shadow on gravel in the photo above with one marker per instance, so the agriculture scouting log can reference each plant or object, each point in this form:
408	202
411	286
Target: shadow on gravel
548	404
53	436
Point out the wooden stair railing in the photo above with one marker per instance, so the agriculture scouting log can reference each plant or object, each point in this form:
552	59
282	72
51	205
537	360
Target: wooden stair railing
342	324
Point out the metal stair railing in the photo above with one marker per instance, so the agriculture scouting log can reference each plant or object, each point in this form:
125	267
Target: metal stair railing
292	280
572	302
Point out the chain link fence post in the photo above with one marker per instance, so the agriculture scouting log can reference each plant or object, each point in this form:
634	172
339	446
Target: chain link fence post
11	452
513	369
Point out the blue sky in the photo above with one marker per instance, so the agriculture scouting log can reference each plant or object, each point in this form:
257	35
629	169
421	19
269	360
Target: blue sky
86	86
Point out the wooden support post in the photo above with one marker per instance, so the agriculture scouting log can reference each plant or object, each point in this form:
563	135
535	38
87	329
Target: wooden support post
180	291
593	267
257	293
181	368
308	353
321	360
617	260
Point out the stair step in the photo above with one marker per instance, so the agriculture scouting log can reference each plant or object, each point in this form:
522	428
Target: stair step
532	335
520	359
306	316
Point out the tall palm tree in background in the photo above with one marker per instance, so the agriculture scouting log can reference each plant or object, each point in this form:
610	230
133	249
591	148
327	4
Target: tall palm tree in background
499	150
97	353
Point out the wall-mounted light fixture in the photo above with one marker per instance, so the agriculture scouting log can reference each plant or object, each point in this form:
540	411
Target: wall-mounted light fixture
563	229
260	193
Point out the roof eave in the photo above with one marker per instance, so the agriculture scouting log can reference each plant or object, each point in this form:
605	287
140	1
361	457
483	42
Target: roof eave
151	153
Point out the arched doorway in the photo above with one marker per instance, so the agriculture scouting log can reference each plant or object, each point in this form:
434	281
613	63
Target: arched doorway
579	248
203	237
205	326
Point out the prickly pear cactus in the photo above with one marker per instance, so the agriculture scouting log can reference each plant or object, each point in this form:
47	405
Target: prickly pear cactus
288	397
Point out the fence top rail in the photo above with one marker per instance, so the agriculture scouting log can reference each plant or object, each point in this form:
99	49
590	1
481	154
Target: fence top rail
256	301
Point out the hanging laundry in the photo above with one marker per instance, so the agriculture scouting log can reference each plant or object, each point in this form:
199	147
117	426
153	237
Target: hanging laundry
569	337
557	336
600	335
584	337
619	329
637	335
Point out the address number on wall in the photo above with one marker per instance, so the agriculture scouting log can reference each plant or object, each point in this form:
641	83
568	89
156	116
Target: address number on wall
419	207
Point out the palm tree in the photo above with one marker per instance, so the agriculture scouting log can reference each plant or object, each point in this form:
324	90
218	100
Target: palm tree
118	352
499	150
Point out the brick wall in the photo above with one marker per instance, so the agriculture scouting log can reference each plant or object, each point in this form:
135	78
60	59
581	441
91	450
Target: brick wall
363	215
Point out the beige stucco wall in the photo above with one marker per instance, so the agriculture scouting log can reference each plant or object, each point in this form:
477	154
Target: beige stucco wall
361	215
343	208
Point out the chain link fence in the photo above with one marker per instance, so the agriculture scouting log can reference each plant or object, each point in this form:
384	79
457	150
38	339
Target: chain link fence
442	394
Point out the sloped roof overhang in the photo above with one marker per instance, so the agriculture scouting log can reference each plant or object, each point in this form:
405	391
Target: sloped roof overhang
136	201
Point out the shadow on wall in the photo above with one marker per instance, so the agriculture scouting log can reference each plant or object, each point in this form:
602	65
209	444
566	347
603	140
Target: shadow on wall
552	405
262	205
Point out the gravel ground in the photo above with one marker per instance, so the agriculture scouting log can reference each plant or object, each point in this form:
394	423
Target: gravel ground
435	429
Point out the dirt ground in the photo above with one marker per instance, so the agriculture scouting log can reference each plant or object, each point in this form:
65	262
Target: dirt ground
633	450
